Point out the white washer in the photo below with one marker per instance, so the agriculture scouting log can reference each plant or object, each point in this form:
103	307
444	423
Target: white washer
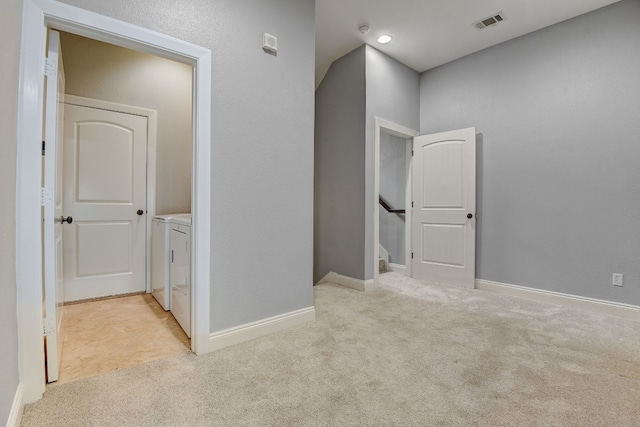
180	271
160	258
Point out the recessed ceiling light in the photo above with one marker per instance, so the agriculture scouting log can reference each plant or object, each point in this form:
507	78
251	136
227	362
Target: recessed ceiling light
384	39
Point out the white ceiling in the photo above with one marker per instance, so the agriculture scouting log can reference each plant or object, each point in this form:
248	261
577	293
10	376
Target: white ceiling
428	33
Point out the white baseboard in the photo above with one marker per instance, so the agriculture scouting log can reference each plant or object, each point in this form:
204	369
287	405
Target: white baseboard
600	306
348	282
397	268
249	331
15	416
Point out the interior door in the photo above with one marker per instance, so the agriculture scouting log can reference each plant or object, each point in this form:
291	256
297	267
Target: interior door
444	204
105	193
52	207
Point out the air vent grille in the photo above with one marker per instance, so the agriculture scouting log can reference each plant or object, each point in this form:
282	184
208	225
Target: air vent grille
489	21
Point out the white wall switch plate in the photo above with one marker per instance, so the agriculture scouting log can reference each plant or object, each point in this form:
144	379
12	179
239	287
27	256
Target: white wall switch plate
270	43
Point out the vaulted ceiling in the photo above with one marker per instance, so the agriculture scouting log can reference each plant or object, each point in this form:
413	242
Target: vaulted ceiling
428	33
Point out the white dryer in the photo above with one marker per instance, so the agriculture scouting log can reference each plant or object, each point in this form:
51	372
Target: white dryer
160	258
180	271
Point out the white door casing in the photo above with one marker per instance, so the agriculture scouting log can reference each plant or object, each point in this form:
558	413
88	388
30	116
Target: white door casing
444	197
104	189
382	125
53	207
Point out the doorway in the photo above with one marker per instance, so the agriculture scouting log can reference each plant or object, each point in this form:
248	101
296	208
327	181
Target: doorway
440	221
37	19
398	139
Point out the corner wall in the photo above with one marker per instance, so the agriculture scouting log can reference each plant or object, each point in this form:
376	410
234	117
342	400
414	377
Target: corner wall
393	94
558	178
340	169
10	32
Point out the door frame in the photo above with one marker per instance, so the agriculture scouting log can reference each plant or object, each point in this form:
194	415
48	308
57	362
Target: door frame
408	134
38	17
152	134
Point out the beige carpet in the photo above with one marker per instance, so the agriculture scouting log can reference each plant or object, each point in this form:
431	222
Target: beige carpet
408	355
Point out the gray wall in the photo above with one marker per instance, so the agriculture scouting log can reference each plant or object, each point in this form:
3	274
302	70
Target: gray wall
340	168
10	32
558	178
393	94
110	73
393	186
358	87
262	148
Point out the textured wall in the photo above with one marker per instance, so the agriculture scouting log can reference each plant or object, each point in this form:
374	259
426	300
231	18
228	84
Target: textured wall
339	168
393	187
262	152
558	178
10	28
393	94
110	73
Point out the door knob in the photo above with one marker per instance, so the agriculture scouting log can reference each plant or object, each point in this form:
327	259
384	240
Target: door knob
68	220
140	212
469	215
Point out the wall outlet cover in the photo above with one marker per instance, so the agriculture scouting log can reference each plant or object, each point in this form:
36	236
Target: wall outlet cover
270	43
617	279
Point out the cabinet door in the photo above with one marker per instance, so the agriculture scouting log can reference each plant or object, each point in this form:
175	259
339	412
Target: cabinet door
180	278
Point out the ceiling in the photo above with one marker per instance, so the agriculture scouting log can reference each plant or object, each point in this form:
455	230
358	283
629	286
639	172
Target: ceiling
428	33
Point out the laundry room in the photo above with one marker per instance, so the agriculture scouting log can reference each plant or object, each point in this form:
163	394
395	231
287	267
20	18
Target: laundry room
134	111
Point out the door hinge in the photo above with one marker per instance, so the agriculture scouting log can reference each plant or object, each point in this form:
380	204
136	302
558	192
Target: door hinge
411	153
46	196
49	67
411	204
48	326
411	255
44	146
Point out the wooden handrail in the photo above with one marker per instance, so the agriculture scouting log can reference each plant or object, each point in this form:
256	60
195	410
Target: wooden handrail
387	208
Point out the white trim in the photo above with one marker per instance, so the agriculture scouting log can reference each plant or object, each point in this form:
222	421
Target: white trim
38	15
249	331
383	254
402	132
397	268
15	415
349	282
596	305
152	134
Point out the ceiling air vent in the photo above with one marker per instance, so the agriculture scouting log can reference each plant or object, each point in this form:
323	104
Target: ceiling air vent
489	21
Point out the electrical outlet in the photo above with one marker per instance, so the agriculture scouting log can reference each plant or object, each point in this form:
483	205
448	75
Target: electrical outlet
617	279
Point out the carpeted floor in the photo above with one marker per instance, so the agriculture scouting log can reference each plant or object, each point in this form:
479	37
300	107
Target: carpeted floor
407	355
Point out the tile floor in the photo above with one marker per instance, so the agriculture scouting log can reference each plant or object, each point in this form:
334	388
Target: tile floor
105	335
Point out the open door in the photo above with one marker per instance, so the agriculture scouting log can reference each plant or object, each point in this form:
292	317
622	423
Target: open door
444	204
52	206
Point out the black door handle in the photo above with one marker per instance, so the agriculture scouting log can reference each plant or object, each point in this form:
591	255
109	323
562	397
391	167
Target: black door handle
68	220
469	215
140	212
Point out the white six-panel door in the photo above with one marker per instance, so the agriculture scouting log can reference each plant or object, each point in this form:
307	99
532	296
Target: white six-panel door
444	205
53	207
105	193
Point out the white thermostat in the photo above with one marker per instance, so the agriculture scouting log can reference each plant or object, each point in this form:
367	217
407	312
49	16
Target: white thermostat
270	43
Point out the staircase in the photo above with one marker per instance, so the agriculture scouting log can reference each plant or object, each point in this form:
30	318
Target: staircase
383	260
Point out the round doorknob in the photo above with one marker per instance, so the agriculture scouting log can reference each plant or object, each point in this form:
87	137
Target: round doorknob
68	220
140	212
469	215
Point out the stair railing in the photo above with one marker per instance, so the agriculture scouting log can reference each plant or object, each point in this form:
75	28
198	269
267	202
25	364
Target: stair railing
388	208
